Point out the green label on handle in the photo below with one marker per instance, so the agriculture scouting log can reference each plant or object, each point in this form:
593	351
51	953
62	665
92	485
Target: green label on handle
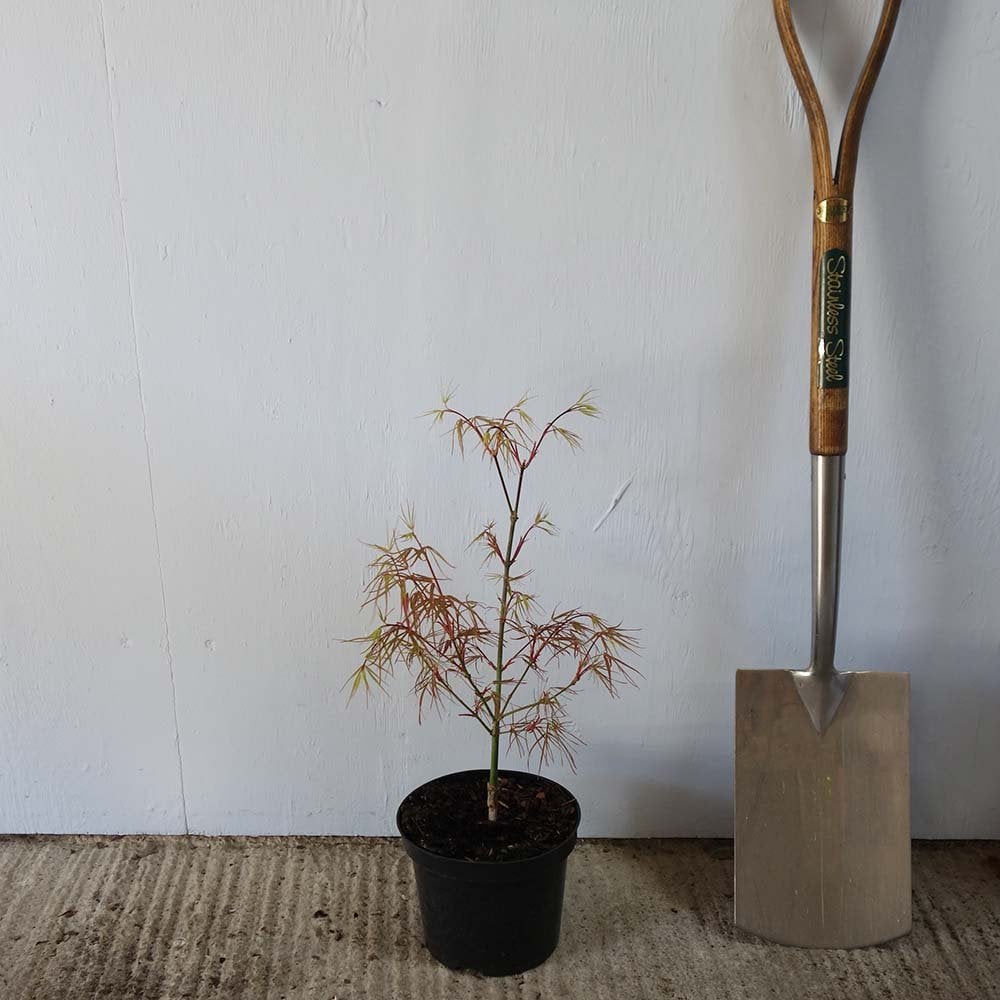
834	319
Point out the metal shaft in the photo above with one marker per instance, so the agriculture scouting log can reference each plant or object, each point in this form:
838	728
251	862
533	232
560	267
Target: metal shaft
827	521
822	687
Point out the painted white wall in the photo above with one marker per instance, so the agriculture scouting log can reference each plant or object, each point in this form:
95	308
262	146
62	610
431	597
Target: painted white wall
244	245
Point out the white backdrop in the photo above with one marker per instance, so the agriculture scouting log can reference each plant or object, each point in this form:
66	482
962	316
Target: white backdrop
245	244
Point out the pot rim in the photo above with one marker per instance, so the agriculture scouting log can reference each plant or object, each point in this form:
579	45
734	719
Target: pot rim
457	865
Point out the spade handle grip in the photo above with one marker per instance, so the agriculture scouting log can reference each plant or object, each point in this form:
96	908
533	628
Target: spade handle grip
833	211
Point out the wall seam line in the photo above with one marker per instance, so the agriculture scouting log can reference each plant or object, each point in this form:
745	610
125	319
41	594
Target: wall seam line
142	408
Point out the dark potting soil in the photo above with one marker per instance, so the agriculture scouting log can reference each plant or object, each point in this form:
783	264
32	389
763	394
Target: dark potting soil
449	818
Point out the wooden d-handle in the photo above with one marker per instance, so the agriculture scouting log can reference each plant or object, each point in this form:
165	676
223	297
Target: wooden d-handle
833	196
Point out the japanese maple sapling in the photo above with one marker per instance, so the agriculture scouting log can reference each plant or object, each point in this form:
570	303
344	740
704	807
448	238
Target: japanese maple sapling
482	656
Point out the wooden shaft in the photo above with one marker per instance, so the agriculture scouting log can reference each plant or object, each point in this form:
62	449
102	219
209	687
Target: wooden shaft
833	196
831	312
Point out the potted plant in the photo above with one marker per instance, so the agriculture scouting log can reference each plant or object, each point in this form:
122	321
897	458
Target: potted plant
489	846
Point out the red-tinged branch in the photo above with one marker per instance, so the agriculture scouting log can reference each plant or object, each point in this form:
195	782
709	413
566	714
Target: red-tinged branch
500	438
584	406
435	652
516	687
459	659
393	641
609	667
540	523
471	712
435	627
503	484
548	735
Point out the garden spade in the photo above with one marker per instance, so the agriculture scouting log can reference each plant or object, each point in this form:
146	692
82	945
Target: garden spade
822	757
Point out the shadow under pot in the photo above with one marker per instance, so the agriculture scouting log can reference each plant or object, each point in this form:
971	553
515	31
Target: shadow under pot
491	894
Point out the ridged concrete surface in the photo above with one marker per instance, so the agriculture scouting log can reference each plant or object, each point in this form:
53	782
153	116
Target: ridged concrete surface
322	918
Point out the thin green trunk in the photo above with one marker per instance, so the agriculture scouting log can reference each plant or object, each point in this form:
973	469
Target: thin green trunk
491	789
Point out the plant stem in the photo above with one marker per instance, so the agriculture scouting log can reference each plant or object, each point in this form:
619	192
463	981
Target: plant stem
491	788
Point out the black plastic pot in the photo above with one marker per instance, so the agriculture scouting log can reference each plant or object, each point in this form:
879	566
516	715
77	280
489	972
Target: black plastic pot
494	917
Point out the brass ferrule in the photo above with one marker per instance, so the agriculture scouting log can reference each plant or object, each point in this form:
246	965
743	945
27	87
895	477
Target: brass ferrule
833	210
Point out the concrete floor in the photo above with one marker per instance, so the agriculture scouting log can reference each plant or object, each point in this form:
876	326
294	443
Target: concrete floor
173	918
